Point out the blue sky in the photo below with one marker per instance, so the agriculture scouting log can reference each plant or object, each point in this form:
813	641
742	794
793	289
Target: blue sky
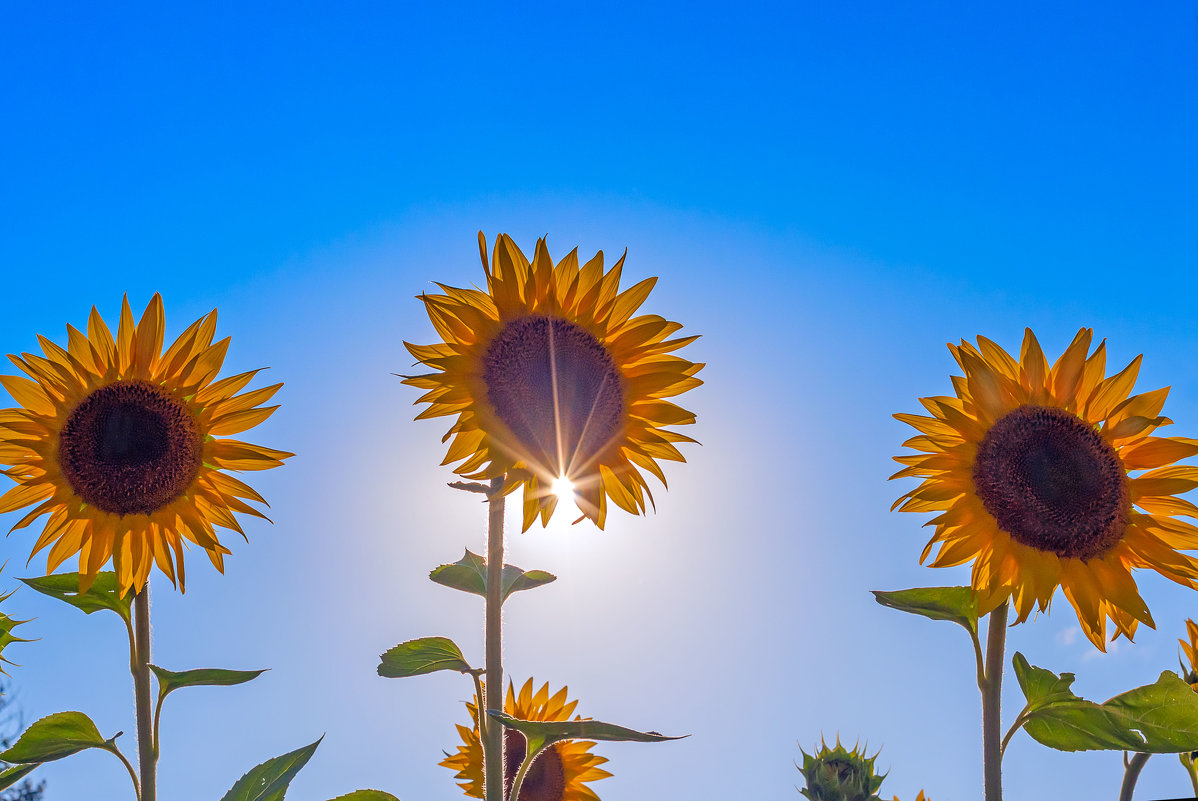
829	193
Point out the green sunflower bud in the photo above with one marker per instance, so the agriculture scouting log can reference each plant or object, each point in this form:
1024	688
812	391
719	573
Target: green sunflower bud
834	774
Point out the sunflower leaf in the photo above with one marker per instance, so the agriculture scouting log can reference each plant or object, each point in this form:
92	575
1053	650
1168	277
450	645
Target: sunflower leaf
366	795
13	775
541	733
958	604
103	593
1042	687
57	736
169	680
424	655
1158	718
270	780
469	574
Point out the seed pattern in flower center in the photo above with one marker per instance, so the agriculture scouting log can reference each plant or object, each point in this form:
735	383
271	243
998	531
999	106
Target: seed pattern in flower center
1052	482
546	777
130	448
556	387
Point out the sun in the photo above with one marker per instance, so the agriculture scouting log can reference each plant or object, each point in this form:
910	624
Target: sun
563	488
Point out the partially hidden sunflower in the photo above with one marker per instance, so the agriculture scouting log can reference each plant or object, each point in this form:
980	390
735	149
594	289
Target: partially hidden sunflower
1190	648
552	376
122	446
558	774
1030	470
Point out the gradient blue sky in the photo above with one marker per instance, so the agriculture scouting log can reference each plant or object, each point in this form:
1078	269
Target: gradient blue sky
829	193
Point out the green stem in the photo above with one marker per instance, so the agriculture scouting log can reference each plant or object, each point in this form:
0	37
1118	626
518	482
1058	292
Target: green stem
529	758
996	640
1130	774
483	718
1019	721
146	758
128	767
493	692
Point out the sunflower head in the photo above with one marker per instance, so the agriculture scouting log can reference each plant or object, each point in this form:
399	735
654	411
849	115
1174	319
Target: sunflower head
837	774
1190	672
1052	476
553	375
558	774
120	444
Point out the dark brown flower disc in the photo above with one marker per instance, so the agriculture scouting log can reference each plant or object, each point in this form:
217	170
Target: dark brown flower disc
546	777
130	448
1052	482
556	387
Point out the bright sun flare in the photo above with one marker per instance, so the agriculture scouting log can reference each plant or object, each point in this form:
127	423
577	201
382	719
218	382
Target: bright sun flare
563	488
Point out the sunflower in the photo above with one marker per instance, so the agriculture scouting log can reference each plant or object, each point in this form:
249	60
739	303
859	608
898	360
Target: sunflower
556	775
1029	468
117	442
551	376
1191	652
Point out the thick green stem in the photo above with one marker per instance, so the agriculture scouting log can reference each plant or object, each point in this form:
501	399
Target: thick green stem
1130	774
146	758
996	640
493	692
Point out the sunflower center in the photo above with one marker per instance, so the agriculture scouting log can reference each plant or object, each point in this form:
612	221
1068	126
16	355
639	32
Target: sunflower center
557	388
546	778
1052	482
130	448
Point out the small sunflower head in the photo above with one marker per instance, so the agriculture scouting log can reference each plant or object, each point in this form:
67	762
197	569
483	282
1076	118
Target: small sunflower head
837	774
1190	672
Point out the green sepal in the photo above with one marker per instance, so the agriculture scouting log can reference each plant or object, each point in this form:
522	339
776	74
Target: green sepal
366	795
169	680
14	774
469	574
424	655
270	780
56	736
1158	718
542	733
958	604
837	774
102	594
7	625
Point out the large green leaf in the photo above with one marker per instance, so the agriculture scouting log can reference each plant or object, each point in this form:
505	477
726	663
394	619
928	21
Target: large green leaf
545	732
57	736
958	604
469	574
169	680
102	594
366	795
425	655
1165	713
1158	718
270	780
13	775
